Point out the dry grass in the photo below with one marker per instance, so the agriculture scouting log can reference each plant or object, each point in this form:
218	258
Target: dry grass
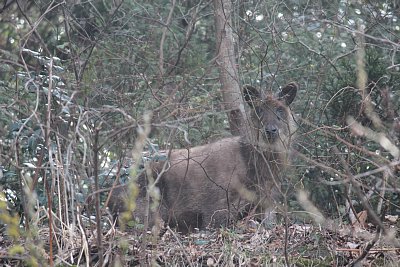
246	244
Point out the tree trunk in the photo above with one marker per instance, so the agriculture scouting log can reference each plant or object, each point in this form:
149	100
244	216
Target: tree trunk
228	73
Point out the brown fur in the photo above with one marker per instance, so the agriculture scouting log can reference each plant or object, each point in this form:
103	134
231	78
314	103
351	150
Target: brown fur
213	184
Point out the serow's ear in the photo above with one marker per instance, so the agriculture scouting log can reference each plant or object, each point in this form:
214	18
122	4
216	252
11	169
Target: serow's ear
288	93
251	95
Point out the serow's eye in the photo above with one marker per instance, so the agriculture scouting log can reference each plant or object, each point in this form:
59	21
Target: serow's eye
280	113
258	111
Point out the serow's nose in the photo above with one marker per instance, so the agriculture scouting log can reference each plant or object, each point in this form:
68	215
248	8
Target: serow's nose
271	131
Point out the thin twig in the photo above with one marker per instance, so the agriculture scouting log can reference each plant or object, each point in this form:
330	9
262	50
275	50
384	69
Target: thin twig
97	196
367	248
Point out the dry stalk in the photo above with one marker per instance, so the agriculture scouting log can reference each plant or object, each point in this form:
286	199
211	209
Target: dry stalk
180	245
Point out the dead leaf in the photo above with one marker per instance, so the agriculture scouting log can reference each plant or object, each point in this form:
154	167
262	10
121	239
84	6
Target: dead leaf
361	221
392	218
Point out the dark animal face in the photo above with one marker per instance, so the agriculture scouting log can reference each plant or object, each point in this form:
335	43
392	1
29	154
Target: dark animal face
271	116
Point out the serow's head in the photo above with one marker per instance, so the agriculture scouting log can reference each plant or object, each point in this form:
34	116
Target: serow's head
271	116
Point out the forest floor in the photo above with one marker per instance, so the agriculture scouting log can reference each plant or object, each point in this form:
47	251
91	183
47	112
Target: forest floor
247	244
296	245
